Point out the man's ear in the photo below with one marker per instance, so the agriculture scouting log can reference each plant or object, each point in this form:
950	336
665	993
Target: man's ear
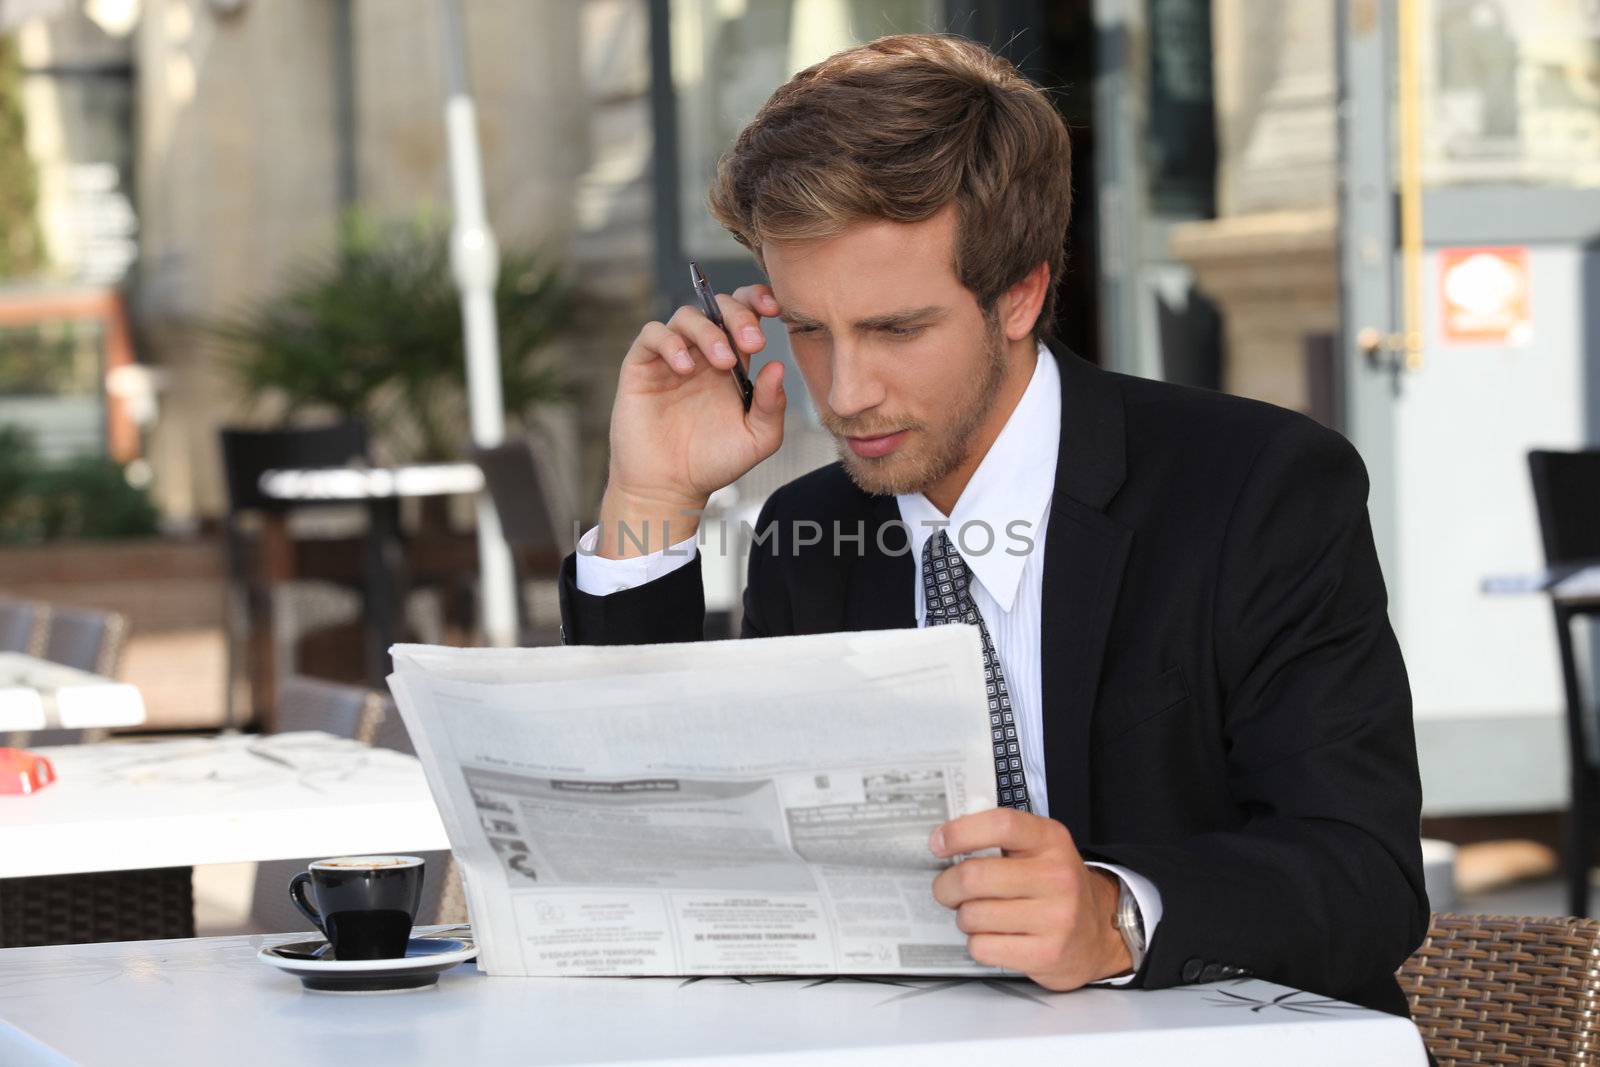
1019	305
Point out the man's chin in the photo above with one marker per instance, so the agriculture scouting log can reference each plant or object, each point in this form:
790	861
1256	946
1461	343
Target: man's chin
885	476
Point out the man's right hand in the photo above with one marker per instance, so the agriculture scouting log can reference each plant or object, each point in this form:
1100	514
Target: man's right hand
679	431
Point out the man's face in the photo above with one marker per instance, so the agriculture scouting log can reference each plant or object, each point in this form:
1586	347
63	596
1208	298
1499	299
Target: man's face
901	362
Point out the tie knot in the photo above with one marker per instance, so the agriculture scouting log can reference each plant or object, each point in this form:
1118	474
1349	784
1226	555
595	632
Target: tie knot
945	580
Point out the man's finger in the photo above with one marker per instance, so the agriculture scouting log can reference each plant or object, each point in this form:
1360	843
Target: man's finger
1007	917
765	417
759	297
989	878
744	326
1003	828
1023	953
701	332
657	340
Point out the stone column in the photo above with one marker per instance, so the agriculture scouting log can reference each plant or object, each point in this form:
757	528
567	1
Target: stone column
1270	258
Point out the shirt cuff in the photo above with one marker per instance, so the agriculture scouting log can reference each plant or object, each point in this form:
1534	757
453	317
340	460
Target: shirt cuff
1148	899
598	576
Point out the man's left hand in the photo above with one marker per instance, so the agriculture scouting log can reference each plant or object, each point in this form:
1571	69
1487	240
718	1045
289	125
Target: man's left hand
1036	909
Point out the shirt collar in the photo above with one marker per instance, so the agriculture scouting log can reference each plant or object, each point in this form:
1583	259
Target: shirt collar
1012	484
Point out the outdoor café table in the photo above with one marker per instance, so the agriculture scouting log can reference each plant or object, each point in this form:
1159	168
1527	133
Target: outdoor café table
380	489
36	694
211	1001
106	850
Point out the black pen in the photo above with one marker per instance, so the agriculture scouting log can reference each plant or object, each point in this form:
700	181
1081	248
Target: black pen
708	305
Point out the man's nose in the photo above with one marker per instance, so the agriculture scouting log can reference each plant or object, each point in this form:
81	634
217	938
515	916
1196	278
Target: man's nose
854	388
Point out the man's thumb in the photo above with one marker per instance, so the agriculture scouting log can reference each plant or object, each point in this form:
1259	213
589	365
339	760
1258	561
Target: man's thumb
768	404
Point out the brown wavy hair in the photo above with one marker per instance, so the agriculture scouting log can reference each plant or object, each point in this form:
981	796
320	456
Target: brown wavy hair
898	129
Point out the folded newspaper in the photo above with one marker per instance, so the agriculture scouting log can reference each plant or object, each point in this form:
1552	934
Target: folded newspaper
726	807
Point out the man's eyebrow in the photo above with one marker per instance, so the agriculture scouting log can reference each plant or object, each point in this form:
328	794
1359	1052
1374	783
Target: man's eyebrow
892	319
797	318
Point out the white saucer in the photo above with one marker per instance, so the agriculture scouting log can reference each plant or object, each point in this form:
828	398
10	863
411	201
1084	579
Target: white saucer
425	960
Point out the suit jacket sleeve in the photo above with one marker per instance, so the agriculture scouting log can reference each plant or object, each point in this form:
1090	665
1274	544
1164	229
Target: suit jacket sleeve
1320	885
672	607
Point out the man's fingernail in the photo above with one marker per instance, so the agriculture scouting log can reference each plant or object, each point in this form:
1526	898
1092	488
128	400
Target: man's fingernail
751	335
682	361
936	842
722	350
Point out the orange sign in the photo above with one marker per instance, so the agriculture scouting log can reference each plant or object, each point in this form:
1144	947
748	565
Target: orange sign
1483	296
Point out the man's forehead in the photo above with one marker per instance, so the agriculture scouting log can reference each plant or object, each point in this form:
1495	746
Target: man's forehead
869	269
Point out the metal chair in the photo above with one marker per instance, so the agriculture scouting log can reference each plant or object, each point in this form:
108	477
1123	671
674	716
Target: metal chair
361	715
1566	492
1504	990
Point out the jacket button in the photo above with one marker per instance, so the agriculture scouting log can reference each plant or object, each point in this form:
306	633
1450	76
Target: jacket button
1191	970
1211	972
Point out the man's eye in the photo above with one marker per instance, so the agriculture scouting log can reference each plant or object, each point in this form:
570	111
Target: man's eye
795	331
905	331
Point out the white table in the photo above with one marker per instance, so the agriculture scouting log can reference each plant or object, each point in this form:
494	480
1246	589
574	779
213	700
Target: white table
36	694
380	489
210	1001
142	805
131	820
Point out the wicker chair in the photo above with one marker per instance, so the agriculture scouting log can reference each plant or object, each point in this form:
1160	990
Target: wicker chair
1507	990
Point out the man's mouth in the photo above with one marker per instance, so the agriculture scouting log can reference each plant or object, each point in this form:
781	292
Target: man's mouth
874	447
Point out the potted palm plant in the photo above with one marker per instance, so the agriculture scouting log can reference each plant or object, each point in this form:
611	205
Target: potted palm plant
370	330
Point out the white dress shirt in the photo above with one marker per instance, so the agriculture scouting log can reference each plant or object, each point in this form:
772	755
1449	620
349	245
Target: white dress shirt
998	526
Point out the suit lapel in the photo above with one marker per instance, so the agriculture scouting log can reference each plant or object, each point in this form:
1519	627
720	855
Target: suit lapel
1085	553
879	593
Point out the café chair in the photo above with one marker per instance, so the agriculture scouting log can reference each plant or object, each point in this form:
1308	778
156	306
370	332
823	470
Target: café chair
84	638
532	531
269	606
358	714
21	627
1492	989
1566	493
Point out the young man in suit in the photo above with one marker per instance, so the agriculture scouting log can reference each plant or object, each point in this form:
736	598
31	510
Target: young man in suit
1202	725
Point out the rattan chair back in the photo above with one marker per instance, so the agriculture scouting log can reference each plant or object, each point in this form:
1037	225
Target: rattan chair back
1493	989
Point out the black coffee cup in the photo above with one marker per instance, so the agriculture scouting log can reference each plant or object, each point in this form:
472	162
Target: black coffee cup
364	905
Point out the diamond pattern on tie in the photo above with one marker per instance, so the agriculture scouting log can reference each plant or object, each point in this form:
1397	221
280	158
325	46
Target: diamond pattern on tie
946	588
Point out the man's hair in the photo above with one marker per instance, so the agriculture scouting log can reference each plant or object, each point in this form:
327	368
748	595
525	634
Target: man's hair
898	129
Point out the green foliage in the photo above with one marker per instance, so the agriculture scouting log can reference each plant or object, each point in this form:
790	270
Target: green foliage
84	498
21	248
372	330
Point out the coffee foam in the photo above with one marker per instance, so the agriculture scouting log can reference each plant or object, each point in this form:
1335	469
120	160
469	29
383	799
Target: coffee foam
364	863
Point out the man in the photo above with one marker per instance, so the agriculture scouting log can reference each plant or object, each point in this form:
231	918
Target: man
1201	720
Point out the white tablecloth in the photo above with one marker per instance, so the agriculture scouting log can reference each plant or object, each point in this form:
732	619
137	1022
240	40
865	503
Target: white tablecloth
142	805
210	1001
36	694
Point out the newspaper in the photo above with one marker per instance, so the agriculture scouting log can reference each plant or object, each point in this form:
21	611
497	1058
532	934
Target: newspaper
728	807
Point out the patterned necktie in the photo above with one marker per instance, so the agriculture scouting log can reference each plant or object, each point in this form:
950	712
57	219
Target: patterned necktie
946	590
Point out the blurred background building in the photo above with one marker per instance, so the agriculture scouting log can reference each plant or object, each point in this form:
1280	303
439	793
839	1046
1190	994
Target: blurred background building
185	183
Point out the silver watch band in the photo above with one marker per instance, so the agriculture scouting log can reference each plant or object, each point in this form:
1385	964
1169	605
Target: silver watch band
1130	923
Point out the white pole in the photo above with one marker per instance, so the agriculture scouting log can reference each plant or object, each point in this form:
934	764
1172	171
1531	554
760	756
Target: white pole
475	264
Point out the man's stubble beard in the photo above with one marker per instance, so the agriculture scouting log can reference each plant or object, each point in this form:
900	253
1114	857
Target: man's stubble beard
943	449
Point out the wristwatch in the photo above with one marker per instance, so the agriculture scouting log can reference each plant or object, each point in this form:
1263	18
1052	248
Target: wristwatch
1130	923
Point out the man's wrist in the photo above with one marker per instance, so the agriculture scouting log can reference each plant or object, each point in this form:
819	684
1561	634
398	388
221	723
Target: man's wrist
1112	949
633	524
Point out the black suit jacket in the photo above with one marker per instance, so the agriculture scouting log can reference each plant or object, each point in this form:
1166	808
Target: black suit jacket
1225	707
